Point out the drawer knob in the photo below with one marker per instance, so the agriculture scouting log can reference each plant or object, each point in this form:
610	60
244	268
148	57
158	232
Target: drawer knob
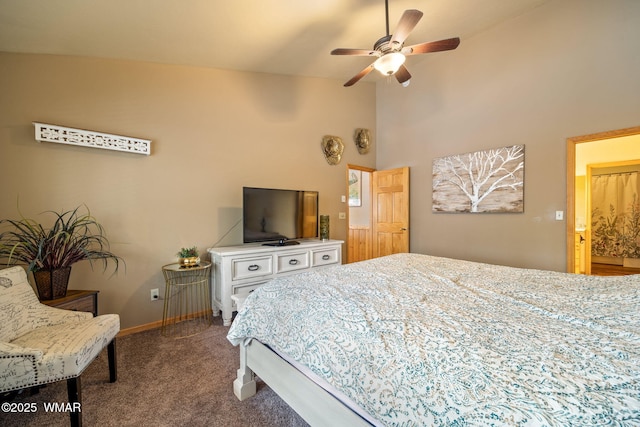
293	262
254	267
325	257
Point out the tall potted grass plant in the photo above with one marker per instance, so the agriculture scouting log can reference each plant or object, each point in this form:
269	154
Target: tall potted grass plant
50	252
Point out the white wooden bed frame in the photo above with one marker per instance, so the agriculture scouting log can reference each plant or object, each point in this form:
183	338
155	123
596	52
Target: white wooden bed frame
313	403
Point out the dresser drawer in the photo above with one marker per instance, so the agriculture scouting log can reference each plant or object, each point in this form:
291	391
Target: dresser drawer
247	268
326	257
292	261
84	304
76	300
241	292
247	288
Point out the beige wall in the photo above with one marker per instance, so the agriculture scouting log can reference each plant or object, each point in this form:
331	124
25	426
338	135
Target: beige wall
360	216
213	132
567	68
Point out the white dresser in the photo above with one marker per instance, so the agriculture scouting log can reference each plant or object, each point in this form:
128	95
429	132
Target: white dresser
238	270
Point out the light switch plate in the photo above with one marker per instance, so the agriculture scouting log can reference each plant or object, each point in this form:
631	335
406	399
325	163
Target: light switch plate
559	215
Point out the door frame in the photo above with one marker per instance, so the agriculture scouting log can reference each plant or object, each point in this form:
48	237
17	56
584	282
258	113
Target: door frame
571	184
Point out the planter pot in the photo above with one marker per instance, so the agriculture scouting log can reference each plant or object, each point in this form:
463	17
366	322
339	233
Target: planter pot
52	284
189	262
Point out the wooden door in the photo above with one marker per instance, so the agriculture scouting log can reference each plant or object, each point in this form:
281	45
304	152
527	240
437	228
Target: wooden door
390	205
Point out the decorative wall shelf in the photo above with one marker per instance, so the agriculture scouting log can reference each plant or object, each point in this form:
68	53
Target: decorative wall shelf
86	138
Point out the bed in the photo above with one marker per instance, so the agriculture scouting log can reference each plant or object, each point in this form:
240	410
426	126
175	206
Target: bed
412	339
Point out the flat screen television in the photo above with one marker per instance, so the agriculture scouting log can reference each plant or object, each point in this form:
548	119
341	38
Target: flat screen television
278	217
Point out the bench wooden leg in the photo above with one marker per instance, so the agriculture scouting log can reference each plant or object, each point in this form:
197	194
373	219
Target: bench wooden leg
113	367
74	392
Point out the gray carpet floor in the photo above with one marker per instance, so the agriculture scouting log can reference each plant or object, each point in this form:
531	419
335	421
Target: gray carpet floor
162	382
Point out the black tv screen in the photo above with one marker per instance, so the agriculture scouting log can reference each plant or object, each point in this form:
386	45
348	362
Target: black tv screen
278	215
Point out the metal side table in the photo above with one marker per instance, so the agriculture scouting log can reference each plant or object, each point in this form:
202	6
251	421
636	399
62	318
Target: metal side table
187	300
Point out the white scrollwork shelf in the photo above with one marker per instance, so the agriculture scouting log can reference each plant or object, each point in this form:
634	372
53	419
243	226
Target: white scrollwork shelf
85	138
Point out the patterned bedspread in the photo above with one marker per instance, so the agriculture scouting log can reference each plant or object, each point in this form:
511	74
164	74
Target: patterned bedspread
420	340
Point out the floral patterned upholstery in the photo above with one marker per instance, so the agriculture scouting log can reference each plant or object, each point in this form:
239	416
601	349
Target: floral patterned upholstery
41	344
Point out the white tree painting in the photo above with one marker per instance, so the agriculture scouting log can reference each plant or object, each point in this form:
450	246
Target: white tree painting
482	181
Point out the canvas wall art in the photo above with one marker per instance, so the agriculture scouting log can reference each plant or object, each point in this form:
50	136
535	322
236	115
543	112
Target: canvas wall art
482	181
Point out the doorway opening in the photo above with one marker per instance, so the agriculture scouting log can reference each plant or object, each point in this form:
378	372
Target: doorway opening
584	153
378	212
360	233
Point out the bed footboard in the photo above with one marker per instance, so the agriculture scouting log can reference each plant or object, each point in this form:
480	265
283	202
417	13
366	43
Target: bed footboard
310	401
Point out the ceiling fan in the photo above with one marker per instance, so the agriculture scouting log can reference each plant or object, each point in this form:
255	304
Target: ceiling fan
392	53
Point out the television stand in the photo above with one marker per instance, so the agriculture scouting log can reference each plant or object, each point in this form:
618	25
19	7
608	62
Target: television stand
282	242
238	270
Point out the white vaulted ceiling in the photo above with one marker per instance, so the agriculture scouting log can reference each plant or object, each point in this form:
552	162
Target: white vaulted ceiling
291	37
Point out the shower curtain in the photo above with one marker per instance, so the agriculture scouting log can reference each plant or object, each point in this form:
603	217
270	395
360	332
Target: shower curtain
615	215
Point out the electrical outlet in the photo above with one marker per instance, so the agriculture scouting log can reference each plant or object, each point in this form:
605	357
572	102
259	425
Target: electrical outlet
155	294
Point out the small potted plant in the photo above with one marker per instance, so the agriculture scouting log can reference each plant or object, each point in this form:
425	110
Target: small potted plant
188	257
49	252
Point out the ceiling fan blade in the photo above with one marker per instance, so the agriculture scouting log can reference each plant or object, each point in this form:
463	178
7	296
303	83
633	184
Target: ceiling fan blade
358	76
407	23
402	75
439	46
356	52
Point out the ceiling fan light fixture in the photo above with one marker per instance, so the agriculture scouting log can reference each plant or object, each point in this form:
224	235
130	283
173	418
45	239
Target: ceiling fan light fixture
389	63
391	51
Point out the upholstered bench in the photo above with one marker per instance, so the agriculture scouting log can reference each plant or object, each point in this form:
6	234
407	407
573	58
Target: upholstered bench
41	344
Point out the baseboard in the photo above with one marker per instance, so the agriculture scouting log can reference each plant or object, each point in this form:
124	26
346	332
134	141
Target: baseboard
154	325
140	328
631	262
606	260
